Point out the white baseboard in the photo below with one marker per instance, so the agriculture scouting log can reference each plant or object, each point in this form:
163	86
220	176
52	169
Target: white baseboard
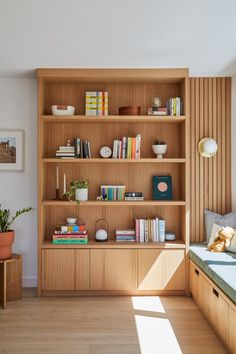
30	282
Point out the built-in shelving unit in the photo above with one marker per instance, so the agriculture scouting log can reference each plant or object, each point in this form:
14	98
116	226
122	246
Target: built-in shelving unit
110	267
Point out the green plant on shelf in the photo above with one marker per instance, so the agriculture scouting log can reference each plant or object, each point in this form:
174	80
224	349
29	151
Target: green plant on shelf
75	186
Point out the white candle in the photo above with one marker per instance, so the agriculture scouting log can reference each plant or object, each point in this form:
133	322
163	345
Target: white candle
57	184
64	189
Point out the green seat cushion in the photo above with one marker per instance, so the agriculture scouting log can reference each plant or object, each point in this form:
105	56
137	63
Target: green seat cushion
220	267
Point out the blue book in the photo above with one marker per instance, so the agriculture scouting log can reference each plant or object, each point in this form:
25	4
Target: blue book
162	188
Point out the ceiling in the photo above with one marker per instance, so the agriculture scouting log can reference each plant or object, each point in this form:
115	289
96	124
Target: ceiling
198	34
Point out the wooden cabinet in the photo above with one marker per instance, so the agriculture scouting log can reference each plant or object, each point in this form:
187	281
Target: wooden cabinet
113	269
217	308
65	269
161	269
58	269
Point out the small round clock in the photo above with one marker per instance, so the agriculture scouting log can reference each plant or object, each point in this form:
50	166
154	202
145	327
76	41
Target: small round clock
105	152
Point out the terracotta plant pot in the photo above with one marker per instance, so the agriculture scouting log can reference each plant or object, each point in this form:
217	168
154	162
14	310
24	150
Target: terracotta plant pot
6	242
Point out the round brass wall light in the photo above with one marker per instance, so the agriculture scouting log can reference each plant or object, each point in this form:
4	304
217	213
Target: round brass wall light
207	147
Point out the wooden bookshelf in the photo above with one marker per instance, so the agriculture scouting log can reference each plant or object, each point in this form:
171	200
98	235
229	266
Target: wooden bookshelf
113	266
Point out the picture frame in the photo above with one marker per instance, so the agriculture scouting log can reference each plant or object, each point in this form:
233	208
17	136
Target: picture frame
12	150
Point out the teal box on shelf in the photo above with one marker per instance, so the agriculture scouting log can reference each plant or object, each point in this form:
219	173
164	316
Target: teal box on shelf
162	188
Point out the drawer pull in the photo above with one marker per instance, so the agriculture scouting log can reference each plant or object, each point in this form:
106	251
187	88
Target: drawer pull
196	271
215	292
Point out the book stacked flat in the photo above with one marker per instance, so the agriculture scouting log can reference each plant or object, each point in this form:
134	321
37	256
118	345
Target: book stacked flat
70	234
175	106
82	148
157	111
125	236
113	192
133	196
150	230
66	152
96	103
127	148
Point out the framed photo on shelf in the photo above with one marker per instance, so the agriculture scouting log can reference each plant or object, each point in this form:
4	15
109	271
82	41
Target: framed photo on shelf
12	150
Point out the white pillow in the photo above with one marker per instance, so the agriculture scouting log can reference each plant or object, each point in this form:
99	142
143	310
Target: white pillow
215	229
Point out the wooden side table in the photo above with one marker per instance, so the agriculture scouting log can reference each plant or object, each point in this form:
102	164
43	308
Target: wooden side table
10	279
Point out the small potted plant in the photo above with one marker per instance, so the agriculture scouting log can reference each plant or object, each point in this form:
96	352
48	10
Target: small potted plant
79	190
6	233
159	149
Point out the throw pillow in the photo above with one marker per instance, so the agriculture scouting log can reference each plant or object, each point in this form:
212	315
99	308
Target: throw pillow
223	220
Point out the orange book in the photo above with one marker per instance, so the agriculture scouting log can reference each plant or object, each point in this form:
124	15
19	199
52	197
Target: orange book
133	153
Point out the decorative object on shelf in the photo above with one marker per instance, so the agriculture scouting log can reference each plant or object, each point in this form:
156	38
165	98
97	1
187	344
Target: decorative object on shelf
156	102
111	192
105	152
133	196
66	152
162	188
11	150
207	147
150	230
127	148
156	109
130	111
57	184
6	234
159	149
101	235
71	221
63	110
96	103
170	236
79	190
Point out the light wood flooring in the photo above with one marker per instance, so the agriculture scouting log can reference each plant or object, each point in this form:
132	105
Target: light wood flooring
106	325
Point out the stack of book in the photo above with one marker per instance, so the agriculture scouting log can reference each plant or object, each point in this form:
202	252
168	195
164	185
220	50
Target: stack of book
150	230
127	148
66	152
113	192
96	103
82	149
133	196
70	234
125	236
157	111
175	106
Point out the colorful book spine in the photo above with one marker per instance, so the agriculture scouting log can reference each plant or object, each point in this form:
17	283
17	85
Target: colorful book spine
96	103
161	230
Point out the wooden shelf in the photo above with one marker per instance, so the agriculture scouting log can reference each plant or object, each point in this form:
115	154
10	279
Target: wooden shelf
112	119
115	203
114	244
101	160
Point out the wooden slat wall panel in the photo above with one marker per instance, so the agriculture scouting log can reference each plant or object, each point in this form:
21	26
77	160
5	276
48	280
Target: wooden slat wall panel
210	112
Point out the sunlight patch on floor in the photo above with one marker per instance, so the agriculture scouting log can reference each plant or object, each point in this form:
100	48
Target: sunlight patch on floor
156	336
147	303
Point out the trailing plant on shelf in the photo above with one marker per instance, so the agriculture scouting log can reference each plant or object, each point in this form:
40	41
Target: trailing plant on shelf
6	233
78	190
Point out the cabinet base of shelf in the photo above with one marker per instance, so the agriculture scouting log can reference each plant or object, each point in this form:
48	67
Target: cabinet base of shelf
112	293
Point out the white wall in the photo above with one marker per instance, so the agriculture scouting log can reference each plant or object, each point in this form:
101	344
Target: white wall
18	102
233	135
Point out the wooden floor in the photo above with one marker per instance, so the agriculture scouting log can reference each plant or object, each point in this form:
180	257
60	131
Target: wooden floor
106	325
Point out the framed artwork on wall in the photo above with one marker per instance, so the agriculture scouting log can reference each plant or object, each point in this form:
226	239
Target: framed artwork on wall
12	150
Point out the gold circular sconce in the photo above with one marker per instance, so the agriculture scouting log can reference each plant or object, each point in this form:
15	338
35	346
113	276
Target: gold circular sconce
207	147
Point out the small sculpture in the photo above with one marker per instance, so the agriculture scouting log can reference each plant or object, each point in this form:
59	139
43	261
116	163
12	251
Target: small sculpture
159	149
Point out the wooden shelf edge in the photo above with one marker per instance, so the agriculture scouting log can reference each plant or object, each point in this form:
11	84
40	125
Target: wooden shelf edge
113	119
114	203
101	160
114	244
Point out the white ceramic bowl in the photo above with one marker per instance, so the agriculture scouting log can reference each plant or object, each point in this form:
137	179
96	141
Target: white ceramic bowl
159	150
71	221
69	111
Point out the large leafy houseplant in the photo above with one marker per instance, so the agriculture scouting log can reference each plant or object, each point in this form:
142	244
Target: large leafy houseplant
6	233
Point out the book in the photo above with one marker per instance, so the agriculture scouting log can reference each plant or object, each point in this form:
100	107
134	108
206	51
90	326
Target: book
161	230
125	232
96	103
127	148
133	194
69	241
134	198
71	228
162	188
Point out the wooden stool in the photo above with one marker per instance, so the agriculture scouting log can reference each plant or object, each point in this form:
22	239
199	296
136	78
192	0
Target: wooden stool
10	279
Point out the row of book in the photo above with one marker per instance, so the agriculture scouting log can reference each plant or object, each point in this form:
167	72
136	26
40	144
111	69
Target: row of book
125	236
112	192
70	234
150	230
96	103
127	148
82	148
175	106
